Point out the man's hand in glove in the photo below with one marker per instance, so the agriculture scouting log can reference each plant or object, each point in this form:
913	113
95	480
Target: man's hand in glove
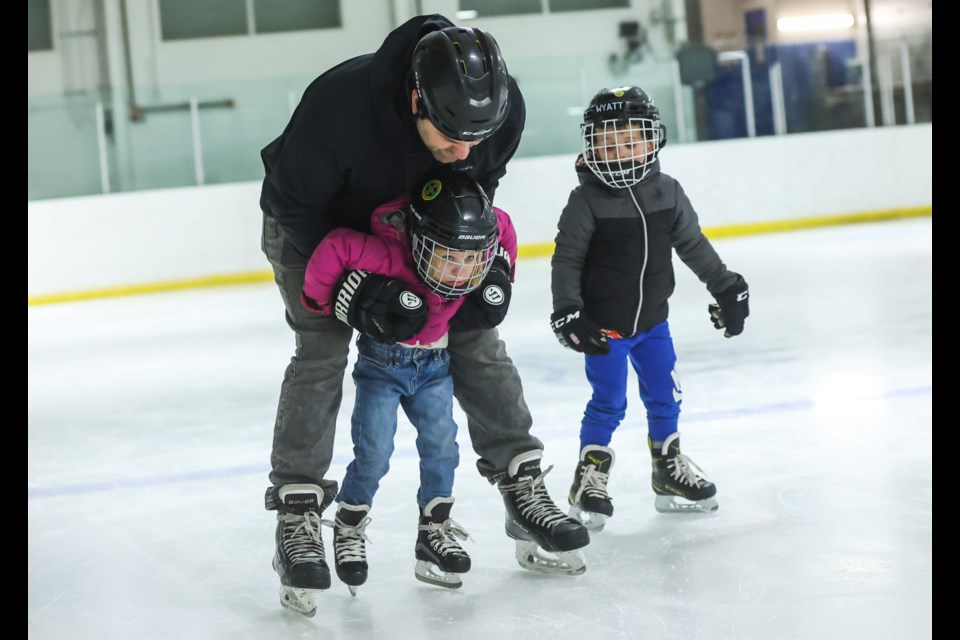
379	307
732	308
576	331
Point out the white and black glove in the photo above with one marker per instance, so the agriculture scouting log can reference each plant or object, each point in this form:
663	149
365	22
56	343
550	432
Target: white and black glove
486	306
732	308
576	331
379	307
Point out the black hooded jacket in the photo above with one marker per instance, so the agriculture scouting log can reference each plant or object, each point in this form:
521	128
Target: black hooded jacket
352	143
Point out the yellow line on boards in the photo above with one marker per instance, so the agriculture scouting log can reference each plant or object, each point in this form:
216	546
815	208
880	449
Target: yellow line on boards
776	226
537	250
773	226
152	287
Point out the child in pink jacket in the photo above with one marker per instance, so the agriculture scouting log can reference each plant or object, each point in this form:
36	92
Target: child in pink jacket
436	244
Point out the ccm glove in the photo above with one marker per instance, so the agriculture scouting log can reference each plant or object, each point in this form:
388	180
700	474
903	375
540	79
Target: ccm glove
732	308
486	306
576	331
379	307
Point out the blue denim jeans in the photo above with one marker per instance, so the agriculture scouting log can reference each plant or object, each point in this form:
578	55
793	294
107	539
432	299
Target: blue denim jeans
388	377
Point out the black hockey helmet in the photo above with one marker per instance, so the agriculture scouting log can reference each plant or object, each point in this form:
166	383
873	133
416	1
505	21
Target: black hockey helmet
453	233
462	82
613	117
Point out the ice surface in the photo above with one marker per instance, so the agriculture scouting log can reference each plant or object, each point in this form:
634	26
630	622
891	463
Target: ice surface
150	423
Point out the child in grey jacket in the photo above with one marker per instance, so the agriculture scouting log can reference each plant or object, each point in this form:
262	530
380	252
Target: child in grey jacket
612	274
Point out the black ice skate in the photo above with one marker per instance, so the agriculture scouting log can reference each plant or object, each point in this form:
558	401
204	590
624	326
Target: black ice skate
300	559
680	485
589	501
440	559
349	546
548	540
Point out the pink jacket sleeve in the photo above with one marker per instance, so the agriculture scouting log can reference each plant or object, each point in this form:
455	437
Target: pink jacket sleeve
344	250
508	238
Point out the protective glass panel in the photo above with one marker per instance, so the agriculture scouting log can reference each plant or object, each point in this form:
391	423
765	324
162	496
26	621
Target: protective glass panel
186	19
501	7
294	15
39	26
557	6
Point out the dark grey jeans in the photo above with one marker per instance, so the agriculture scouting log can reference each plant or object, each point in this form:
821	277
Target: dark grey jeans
485	383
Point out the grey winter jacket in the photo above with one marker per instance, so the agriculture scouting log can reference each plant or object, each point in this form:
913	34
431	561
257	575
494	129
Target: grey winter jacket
613	255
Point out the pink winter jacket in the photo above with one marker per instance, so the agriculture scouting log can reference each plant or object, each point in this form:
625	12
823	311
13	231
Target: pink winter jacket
386	252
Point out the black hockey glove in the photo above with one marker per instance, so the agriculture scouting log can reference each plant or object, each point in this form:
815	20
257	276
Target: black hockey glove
732	308
576	331
379	307
486	306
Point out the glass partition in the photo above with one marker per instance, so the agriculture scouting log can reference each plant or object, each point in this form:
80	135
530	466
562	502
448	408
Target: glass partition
62	147
212	133
556	91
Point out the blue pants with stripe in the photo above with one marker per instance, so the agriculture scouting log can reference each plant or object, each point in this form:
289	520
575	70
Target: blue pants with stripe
652	356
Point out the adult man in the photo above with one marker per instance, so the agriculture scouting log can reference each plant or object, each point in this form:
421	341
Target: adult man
365	132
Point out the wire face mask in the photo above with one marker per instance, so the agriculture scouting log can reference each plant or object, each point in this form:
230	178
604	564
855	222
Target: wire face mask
622	135
620	152
449	271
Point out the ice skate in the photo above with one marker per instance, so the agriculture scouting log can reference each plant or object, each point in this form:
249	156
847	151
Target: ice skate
681	486
349	547
589	501
440	559
547	540
300	560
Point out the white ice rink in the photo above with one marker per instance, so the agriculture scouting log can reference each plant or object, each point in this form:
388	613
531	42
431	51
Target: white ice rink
150	423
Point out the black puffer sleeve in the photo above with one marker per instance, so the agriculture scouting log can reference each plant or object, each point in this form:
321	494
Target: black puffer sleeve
695	250
574	231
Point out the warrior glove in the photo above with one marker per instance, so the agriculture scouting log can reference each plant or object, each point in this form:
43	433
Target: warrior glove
486	306
379	307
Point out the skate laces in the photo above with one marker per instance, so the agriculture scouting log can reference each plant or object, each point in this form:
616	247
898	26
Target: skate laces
349	545
593	482
443	535
683	469
533	501
301	536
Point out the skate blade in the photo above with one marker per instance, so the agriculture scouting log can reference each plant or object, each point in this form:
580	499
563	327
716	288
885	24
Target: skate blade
353	590
592	521
302	601
532	557
676	504
431	574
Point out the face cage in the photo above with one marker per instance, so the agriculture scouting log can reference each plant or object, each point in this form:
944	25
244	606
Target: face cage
451	272
608	135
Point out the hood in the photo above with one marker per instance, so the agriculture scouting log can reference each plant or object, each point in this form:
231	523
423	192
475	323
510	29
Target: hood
383	223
